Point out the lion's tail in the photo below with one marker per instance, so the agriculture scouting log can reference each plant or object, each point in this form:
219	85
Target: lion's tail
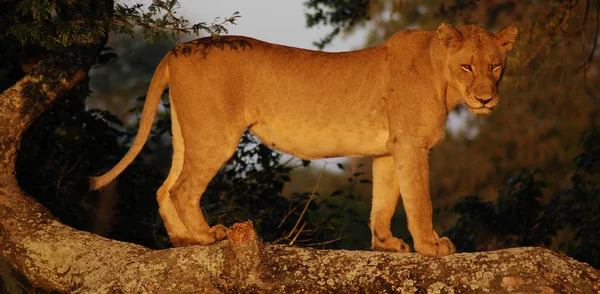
157	86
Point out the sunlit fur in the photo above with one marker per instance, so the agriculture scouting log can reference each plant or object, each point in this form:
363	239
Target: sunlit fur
390	102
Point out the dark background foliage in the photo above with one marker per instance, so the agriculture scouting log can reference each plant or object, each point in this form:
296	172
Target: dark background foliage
522	216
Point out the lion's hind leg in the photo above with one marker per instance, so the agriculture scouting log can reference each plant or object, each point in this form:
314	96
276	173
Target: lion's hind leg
207	149
179	234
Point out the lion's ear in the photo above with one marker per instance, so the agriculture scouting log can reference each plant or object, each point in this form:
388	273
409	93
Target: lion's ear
450	37
506	38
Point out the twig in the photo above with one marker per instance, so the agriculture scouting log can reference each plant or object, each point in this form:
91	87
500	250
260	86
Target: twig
58	181
561	27
288	235
288	161
535	53
308	202
298	234
303	241
230	19
593	51
165	7
176	29
326	242
290	211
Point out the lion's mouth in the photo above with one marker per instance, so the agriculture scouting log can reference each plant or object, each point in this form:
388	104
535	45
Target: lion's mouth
480	110
478	107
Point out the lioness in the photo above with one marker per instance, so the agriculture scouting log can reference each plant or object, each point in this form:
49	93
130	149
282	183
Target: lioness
389	101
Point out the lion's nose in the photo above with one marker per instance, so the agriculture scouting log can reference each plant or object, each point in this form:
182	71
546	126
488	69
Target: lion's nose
483	100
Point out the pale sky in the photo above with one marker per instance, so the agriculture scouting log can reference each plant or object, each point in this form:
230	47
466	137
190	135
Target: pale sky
276	21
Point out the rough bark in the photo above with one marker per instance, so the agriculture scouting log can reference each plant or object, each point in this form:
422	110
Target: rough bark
21	217
24	222
60	258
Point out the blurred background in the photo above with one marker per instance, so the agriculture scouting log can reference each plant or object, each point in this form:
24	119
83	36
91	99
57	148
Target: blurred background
526	175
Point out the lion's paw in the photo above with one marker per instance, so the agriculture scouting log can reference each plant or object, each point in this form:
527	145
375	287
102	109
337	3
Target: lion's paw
440	247
213	235
220	232
390	244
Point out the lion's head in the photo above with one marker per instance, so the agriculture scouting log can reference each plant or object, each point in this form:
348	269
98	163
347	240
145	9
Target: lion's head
475	63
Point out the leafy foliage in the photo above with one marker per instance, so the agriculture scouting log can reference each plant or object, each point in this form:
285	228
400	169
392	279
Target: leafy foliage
508	221
580	203
342	15
341	216
64	22
166	24
52	23
518	217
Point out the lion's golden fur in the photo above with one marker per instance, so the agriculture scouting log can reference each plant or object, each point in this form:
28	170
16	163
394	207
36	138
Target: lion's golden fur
389	101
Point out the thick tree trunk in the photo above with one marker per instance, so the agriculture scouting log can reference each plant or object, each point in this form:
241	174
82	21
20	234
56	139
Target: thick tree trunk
21	217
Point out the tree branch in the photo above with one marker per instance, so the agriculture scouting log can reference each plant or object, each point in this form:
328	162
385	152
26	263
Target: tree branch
56	257
29	97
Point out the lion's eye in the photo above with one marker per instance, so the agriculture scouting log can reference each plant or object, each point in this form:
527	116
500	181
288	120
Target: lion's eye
466	67
495	66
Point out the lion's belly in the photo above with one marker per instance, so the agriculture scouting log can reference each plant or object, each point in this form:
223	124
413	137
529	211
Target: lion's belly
308	142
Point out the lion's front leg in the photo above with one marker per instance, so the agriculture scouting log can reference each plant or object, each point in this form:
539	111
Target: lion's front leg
411	159
385	199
